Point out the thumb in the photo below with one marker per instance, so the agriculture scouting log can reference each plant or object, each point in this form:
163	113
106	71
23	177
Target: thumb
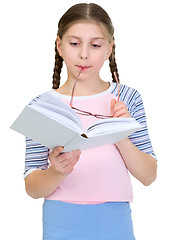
56	151
113	102
60	149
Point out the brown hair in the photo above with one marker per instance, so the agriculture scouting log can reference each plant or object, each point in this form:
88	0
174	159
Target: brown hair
87	12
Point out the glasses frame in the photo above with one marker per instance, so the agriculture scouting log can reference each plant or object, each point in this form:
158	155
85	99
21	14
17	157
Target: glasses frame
85	113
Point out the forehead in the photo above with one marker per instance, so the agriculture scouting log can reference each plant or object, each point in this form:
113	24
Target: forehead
87	30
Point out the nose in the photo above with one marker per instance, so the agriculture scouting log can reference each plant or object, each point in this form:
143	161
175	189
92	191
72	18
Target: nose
83	53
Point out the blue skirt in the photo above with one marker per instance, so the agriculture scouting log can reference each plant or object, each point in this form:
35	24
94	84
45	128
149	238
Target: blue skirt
104	221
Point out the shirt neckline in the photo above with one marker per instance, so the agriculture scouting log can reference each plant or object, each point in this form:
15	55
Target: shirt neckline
63	96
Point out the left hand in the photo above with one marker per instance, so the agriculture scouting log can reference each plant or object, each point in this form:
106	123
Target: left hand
119	109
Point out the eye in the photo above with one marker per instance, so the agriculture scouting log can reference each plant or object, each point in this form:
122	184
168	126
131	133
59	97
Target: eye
95	45
74	44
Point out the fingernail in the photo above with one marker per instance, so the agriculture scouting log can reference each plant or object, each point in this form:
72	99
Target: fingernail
61	148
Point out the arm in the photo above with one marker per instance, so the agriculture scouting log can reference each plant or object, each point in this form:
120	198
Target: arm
141	165
41	183
44	180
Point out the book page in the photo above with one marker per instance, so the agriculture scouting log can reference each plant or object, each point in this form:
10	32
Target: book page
59	114
112	125
81	143
49	101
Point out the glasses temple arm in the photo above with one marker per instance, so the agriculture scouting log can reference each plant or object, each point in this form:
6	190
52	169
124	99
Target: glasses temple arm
72	94
115	75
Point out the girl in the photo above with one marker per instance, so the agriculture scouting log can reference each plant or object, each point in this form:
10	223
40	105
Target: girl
87	193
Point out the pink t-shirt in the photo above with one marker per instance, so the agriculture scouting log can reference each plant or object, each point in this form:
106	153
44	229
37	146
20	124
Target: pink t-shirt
100	175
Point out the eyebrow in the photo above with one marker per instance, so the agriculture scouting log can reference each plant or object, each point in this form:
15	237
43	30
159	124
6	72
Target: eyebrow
91	38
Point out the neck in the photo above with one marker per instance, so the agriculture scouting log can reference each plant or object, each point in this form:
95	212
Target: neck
84	87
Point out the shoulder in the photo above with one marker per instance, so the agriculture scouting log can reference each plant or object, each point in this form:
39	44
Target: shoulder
127	94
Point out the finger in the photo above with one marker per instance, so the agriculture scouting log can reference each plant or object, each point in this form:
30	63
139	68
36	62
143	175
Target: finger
56	151
121	108
119	105
122	113
69	168
62	160
68	155
69	162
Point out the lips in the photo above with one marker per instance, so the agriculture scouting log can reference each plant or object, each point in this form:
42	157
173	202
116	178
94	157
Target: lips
83	68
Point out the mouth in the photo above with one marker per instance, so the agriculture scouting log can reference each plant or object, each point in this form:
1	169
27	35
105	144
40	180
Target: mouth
83	68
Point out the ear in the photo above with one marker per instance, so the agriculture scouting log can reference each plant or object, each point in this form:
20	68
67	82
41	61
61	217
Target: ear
109	50
59	47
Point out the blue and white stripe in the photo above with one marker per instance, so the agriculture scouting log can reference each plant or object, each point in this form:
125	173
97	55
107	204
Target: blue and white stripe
36	156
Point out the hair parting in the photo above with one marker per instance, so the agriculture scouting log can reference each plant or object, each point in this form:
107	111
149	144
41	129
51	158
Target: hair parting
83	12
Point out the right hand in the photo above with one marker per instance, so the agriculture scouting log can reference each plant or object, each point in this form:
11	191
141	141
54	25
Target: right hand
63	163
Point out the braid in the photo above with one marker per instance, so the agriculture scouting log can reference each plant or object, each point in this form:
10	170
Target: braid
113	65
57	68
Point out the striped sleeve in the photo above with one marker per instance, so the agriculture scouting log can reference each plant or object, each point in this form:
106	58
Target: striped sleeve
36	156
134	103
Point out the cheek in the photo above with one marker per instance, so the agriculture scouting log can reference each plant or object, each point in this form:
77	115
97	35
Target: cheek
68	57
100	59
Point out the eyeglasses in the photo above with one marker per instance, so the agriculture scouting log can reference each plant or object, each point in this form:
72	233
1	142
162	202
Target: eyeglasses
85	113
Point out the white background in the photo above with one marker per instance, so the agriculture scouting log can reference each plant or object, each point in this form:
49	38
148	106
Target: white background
146	52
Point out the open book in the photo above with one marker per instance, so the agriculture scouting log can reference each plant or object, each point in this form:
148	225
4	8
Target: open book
51	122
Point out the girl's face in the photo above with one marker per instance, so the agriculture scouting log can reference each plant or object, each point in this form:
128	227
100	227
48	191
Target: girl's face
84	46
